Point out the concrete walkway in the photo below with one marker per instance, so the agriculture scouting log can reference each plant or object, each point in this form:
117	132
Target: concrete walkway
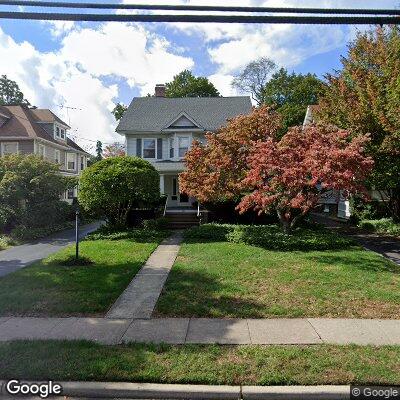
19	257
140	297
306	331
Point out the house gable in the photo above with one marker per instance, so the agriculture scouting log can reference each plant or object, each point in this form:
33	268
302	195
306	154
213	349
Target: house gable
183	121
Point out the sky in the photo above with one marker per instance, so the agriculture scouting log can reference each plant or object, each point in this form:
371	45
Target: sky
81	70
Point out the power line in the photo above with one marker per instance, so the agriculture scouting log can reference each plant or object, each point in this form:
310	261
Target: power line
288	10
246	19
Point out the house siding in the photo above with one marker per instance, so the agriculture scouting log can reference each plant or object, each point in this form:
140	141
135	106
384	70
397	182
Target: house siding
24	146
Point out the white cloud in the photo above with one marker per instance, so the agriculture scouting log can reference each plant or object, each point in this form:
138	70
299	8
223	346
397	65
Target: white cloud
223	83
73	75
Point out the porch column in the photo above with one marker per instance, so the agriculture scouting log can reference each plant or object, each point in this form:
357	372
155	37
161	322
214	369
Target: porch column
162	191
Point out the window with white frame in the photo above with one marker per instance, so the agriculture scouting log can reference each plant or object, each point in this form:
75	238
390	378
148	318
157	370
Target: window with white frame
57	131
183	145
149	148
62	133
171	147
9	148
57	156
70	194
42	150
82	163
71	160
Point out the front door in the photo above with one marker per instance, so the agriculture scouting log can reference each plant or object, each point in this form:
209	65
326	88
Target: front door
181	198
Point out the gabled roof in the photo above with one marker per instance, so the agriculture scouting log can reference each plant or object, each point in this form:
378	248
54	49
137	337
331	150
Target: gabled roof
25	122
153	114
45	115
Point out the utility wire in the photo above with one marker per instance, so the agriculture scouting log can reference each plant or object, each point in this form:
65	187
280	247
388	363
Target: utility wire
246	19
288	10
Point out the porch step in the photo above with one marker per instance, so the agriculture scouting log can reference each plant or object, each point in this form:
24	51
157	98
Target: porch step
179	220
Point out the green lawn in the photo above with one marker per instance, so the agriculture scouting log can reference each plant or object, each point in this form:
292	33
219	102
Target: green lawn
221	279
52	288
207	364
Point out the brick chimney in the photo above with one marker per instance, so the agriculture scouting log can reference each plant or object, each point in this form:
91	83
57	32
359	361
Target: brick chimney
160	90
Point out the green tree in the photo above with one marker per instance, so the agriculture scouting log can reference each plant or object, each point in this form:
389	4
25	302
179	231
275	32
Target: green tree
113	186
99	150
254	77
10	92
119	110
30	190
185	84
290	94
364	97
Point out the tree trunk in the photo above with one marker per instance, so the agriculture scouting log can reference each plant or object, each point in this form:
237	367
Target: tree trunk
285	222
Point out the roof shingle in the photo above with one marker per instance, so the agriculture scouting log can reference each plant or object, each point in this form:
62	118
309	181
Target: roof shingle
152	114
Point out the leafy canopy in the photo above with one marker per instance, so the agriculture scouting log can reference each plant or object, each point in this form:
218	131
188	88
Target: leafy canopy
119	111
29	186
364	98
290	175
113	186
290	94
185	84
254	77
214	171
115	149
10	92
246	161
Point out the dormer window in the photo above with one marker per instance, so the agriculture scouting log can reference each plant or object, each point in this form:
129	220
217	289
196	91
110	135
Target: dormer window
60	133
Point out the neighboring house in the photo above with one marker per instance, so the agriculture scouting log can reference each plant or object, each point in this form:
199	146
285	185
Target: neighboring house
161	130
26	130
333	203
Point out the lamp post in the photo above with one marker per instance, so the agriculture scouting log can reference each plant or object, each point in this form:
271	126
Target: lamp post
77	234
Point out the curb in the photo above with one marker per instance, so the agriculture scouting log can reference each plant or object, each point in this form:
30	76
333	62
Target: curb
127	390
322	392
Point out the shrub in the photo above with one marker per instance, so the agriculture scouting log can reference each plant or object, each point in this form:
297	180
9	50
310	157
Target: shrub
112	187
136	234
383	225
23	232
271	237
30	189
156	224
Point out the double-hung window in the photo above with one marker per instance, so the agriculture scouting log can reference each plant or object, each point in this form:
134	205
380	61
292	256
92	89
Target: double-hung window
183	146
71	159
9	148
82	163
149	148
62	133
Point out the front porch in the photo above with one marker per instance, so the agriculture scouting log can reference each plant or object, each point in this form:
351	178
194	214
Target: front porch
176	201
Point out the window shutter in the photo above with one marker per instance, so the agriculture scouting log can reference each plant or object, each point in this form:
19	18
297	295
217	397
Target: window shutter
139	147
159	148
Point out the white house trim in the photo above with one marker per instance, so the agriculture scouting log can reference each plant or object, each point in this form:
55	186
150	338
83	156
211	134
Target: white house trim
196	125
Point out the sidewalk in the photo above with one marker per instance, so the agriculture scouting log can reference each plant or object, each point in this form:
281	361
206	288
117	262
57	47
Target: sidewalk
296	331
19	257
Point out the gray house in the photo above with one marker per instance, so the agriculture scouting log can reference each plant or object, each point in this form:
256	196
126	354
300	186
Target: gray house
26	130
161	130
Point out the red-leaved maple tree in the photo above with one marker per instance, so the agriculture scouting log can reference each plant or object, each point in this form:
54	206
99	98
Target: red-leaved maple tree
290	175
215	170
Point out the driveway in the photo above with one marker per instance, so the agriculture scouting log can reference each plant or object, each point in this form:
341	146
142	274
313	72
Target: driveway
19	257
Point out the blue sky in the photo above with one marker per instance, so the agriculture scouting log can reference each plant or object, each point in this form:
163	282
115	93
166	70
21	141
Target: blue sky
92	66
